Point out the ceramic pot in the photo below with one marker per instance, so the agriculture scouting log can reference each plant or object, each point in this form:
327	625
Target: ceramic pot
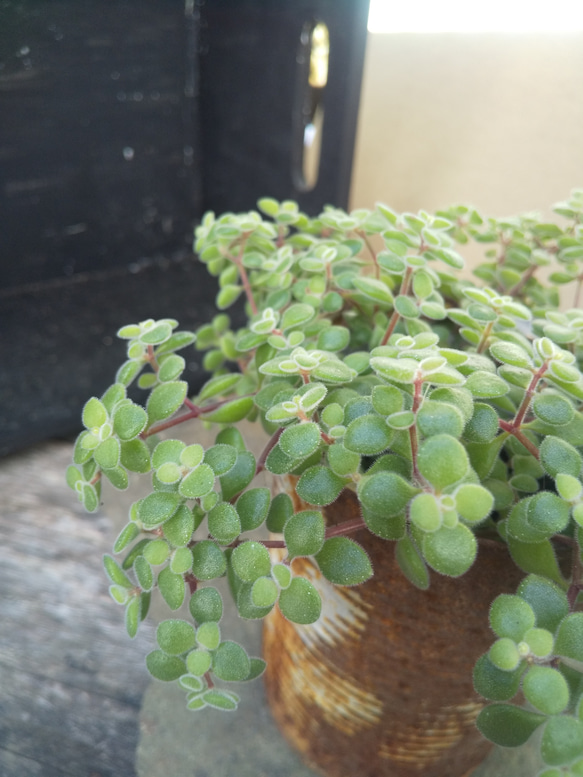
382	683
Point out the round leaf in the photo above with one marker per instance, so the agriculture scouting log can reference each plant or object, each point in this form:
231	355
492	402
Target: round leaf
208	560
300	602
251	560
304	533
367	435
164	667
231	662
546	689
443	461
507	725
175	637
319	486
343	562
300	440
450	551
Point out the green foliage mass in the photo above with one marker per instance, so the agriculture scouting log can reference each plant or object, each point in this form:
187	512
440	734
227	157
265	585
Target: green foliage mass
452	409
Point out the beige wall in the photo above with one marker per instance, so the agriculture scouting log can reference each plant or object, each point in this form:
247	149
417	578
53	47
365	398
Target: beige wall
492	120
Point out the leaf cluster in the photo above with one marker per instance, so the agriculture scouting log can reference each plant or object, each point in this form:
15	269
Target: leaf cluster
451	409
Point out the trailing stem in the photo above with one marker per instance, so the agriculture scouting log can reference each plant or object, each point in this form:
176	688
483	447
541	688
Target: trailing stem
238	260
513	427
372	252
194	411
394	320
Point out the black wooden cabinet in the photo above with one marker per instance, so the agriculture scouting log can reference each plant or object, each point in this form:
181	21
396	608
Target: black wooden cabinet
121	122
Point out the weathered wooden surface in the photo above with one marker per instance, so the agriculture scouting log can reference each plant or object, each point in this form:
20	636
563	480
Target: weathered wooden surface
71	680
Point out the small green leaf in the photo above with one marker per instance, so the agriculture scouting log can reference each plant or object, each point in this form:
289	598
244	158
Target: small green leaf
164	667
171	587
562	740
224	524
179	529
156	551
282	574
165	400
304	533
107	453
231	412
343	562
557	456
367	435
425	512
300	440
208	635
569	639
493	683
319	486
198	483
374	289
221	458
221	700
511	616
473	502
280	510
129	421
227	296
175	637
132	616
546	689
450	551
385	493
411	563
143	573
115	573
198	662
251	560
157	508
253	507
483	425
239	476
206	604
135	456
443	461
94	413
191	683
486	385
300	602
507	725
181	561
231	662
208	560
128	534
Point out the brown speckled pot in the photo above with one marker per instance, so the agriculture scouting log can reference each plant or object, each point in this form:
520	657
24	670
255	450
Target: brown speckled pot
382	683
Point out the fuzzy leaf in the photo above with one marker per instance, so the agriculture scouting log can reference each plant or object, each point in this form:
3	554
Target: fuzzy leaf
507	725
164	667
343	562
171	587
450	551
208	560
319	486
175	637
300	602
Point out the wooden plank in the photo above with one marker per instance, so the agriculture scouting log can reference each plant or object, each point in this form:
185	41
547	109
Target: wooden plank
71	680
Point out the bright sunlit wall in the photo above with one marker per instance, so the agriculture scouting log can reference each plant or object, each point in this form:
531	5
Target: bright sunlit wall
494	118
461	16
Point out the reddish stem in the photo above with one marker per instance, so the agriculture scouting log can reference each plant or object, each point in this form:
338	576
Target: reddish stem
267	450
194	411
395	317
364	236
238	260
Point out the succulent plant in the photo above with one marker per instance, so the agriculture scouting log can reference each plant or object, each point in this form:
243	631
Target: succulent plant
451	407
